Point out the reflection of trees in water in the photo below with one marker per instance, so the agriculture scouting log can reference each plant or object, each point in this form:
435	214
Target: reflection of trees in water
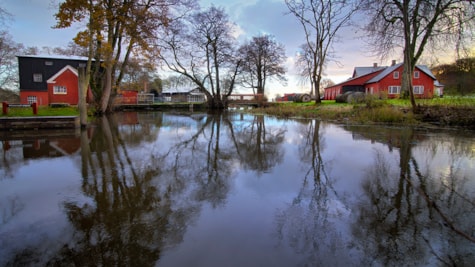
258	146
311	224
416	217
12	158
143	127
203	160
209	156
128	222
140	203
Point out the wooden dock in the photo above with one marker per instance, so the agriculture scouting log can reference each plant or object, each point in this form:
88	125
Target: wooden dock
39	122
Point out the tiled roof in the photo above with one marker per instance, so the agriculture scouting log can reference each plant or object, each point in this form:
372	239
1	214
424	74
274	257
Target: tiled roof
361	71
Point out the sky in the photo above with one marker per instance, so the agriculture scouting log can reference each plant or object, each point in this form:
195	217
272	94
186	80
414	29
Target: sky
32	21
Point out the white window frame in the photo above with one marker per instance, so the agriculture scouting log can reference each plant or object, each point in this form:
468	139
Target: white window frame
396	75
417	74
392	88
37	77
31	99
60	90
418	89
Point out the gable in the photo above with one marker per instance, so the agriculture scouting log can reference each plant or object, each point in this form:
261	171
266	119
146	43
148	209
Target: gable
389	70
357	81
61	72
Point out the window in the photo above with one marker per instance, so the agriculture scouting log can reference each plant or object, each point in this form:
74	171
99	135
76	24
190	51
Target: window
416	74
49	63
393	90
59	90
31	99
37	77
396	75
418	89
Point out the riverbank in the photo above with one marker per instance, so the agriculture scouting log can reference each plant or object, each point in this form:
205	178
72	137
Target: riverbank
455	112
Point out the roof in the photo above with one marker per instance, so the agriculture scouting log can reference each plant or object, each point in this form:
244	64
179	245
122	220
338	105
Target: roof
375	69
361	71
56	57
179	90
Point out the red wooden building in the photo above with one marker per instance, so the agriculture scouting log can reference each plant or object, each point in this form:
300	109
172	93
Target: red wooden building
386	81
50	79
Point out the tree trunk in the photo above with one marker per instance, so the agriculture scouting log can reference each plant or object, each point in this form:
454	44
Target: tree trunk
216	103
106	91
406	82
82	105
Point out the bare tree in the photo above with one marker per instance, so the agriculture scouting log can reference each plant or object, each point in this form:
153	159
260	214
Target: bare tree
201	47
321	21
415	25
263	59
8	62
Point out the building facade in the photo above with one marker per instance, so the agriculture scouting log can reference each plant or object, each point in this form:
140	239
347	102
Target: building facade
49	79
386	82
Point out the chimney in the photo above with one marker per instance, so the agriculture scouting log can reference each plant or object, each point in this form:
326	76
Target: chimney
375	65
393	63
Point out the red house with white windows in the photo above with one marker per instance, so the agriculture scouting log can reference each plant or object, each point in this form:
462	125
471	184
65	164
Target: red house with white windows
386	81
50	79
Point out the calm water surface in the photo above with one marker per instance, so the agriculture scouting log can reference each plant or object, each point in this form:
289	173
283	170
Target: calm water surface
170	189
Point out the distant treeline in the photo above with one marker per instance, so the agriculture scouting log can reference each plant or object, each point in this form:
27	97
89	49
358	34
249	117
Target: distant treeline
458	77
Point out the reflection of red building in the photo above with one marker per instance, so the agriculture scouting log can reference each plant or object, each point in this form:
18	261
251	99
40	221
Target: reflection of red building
41	148
128	118
46	144
386	81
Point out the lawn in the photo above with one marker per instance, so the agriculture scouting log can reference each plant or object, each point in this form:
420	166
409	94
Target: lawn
42	111
389	111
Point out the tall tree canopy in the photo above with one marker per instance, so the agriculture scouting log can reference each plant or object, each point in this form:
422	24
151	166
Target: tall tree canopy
414	25
457	77
263	59
115	30
202	48
321	21
8	62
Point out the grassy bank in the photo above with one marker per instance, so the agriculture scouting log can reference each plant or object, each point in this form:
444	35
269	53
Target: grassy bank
448	111
42	111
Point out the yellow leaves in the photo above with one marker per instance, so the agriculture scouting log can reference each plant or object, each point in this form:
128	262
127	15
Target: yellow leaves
70	11
82	38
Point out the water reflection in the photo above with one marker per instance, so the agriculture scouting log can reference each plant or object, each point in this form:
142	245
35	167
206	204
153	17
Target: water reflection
311	223
413	214
20	146
153	188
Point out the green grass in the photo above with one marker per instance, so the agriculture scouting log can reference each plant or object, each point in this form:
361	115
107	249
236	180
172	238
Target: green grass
387	111
42	111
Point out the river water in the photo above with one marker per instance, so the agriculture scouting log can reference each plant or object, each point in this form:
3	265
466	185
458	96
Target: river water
197	189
